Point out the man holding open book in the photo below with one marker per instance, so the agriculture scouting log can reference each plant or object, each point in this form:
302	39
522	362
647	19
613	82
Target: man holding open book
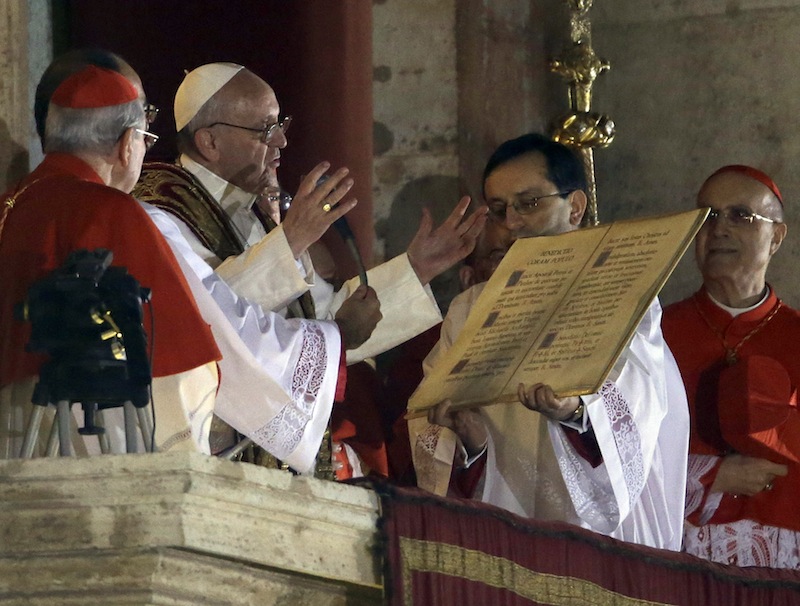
613	461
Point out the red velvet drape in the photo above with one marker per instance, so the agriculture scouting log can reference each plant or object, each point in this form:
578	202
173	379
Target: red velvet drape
316	54
451	551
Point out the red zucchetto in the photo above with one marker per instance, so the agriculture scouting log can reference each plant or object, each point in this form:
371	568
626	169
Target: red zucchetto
94	87
751	172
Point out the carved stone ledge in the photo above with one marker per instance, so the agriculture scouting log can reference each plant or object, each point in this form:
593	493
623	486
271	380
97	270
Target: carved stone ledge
181	528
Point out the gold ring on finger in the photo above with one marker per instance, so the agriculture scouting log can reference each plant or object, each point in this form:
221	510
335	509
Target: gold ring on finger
327	207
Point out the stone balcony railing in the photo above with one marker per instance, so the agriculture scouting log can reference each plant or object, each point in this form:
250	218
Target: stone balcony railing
182	529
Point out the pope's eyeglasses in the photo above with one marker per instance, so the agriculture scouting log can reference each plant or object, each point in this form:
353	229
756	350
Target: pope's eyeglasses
266	133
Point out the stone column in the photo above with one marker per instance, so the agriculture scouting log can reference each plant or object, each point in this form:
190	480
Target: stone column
25	50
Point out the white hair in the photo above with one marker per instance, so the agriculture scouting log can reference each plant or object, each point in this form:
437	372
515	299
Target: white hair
95	130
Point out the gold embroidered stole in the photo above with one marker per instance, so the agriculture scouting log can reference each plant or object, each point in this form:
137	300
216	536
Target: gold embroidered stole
176	191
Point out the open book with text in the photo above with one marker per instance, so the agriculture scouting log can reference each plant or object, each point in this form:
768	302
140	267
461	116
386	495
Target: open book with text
559	310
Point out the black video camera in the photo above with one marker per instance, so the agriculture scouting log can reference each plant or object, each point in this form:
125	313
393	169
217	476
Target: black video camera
87	316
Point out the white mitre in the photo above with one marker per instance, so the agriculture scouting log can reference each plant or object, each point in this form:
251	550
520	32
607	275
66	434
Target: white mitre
198	87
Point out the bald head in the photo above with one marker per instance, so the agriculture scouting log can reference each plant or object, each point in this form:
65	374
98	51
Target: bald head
197	88
736	243
742	187
196	106
242	94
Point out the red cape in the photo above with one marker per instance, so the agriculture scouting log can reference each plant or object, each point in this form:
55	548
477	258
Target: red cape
67	207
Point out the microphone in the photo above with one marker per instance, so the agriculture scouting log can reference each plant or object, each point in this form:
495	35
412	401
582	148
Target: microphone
343	227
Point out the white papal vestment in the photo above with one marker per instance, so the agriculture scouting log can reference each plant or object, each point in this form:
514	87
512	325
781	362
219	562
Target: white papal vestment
267	273
279	376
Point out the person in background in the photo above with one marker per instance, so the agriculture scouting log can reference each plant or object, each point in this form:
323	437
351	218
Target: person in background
401	368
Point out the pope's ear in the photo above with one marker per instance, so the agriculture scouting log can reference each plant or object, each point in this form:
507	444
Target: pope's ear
125	146
206	144
577	201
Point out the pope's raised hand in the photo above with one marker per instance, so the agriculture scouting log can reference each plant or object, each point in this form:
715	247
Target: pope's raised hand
316	206
433	251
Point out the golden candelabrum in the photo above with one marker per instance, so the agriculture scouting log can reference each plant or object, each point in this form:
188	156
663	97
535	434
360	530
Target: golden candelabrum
581	128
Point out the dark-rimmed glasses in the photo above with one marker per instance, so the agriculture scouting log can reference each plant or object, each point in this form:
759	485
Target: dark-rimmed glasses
523	206
149	138
150	113
266	133
738	216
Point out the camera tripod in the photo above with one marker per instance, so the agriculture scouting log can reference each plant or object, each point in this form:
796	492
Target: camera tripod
87	316
97	387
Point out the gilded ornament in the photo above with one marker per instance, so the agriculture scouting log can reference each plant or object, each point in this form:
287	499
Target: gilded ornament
584	129
580	64
581	6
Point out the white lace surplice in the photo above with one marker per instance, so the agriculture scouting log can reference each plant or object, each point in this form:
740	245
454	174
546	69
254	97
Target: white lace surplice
640	418
744	543
278	376
740	543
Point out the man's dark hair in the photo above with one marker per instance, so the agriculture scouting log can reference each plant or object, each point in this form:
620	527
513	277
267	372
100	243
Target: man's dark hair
61	69
564	167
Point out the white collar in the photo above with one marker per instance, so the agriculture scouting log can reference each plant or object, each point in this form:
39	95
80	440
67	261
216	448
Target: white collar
230	197
738	311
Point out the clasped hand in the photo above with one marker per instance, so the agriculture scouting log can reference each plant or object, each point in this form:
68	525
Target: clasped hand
743	475
466	423
358	316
